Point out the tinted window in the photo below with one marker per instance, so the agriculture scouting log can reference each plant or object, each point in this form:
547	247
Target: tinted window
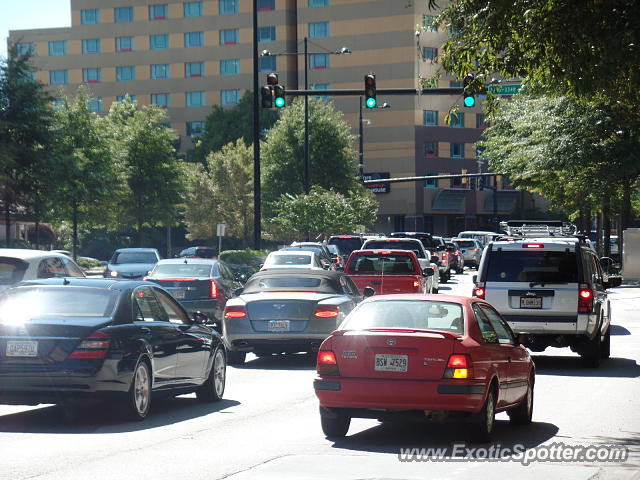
288	260
51	268
175	314
134	257
305	248
147	306
11	270
502	331
72	269
407	314
303	282
427	240
466	244
182	270
400	245
532	266
489	334
346	245
376	264
288	282
24	303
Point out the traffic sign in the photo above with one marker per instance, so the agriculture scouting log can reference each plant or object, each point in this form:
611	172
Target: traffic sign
504	89
220	230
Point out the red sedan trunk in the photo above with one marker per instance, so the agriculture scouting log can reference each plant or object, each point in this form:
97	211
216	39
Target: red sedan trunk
386	271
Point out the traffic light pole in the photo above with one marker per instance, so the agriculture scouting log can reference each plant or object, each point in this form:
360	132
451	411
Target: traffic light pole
257	217
306	119
360	141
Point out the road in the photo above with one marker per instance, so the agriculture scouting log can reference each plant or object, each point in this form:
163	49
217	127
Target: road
268	426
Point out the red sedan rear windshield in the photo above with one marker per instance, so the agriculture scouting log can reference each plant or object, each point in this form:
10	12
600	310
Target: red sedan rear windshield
406	314
380	263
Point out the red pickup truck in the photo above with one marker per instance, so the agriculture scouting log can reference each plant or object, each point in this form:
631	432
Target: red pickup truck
389	271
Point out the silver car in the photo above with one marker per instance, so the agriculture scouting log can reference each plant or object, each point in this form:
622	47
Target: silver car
471	251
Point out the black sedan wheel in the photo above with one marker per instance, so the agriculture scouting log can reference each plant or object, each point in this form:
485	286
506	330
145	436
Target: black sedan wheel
138	401
213	388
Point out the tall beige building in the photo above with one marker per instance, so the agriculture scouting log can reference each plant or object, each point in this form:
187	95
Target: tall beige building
190	55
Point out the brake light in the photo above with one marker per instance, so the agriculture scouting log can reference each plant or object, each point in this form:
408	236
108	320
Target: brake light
585	299
533	245
95	346
445	256
327	363
235	311
213	289
456	253
479	291
326	311
459	366
416	284
473	249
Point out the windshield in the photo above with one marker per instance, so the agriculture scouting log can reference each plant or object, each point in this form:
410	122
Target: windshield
346	245
410	314
304	248
532	266
293	259
22	303
134	257
378	263
466	244
182	270
427	240
395	245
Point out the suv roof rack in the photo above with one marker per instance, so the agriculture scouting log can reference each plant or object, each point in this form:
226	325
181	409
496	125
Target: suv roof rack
539	228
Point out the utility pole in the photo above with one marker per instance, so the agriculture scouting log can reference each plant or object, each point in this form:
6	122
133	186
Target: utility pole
257	217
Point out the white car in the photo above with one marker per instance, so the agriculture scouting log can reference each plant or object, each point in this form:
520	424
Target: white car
292	259
18	264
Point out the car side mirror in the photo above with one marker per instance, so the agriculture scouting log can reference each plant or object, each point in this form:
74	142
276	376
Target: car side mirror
238	291
428	272
368	292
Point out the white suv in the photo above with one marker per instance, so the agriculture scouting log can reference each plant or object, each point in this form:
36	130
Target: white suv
552	290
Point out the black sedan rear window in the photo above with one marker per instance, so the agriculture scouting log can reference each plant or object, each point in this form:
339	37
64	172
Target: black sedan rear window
181	270
532	266
28	302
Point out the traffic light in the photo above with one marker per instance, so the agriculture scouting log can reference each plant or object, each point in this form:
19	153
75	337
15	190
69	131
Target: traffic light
267	96
469	99
278	96
370	91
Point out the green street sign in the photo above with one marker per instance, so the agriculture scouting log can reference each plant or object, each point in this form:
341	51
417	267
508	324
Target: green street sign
504	89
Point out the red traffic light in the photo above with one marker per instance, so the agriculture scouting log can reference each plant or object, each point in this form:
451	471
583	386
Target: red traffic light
272	78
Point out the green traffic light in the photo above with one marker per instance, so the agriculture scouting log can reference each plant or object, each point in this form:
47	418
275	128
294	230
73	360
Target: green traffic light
279	102
371	103
469	101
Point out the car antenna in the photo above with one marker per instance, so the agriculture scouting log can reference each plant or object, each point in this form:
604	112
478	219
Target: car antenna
185	260
66	281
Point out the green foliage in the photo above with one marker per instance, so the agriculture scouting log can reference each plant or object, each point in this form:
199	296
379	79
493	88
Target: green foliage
221	191
226	125
324	212
332	158
244	262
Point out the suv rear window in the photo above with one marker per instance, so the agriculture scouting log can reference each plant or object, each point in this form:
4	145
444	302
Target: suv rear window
427	240
346	245
465	243
376	264
532	266
395	245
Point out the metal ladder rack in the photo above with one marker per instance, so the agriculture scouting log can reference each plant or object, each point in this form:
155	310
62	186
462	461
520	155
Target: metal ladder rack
538	228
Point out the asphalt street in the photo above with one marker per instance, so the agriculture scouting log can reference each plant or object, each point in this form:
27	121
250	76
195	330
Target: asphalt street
268	427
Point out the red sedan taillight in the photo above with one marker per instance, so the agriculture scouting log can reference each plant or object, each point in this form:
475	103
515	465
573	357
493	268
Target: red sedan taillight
213	289
235	311
326	311
459	366
585	299
327	363
95	346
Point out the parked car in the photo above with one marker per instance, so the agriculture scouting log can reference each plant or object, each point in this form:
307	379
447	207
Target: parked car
198	284
125	342
132	263
390	271
286	311
471	251
18	264
199	252
320	249
423	357
292	259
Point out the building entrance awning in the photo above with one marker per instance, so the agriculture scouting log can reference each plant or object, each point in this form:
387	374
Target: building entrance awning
505	201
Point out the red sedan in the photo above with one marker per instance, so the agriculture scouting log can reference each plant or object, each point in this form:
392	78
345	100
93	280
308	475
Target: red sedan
426	356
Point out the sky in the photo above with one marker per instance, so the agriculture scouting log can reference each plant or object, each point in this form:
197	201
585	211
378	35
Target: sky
29	14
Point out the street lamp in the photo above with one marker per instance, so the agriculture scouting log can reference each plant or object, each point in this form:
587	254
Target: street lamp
268	53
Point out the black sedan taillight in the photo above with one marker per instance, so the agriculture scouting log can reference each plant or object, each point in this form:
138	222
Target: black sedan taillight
95	346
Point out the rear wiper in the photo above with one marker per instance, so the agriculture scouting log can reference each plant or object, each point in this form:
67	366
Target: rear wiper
533	284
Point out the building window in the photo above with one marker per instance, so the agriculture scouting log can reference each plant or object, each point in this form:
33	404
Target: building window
321	86
228	7
194	99
194	69
193	39
432	183
91	75
430	149
159	42
457	120
480	121
125	74
123	14
229	97
319	30
429	53
58	48
192	9
58	77
457	150
95	104
429	23
318	3
160	71
195	129
266	4
26	48
122	98
430	118
229	37
158	12
267	34
267	64
90	17
124	44
161	99
318	60
90	46
229	67
455	84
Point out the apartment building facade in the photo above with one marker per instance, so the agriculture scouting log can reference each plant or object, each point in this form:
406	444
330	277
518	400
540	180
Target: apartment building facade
189	55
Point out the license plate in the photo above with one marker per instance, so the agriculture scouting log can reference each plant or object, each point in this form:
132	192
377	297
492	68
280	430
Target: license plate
278	325
22	349
178	294
391	363
530	302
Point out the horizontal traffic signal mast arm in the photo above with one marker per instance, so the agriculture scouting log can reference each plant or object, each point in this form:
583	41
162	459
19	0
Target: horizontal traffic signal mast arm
346	92
428	177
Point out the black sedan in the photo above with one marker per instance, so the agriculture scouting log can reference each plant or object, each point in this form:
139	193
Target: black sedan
69	340
286	311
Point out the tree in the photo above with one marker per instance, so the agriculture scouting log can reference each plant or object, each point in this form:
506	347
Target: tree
25	117
332	158
225	125
221	191
324	212
154	175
